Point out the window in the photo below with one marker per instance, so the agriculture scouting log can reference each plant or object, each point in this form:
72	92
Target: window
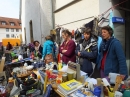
20	24
12	30
16	36
17	30
12	35
7	35
12	24
3	23
7	29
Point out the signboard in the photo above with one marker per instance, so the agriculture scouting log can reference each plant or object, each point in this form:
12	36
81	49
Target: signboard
118	20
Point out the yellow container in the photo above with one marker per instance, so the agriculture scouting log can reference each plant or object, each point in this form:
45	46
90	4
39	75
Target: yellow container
59	66
110	94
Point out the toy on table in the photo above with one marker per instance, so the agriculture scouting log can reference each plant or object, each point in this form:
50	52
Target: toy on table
119	79
106	84
122	88
59	79
50	75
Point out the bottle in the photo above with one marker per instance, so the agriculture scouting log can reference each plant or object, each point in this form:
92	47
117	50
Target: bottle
28	52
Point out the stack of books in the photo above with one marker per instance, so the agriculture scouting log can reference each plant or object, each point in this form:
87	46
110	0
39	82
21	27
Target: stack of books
69	87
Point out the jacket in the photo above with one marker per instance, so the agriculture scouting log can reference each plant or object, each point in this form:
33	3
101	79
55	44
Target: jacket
115	59
88	55
48	48
9	47
69	55
39	51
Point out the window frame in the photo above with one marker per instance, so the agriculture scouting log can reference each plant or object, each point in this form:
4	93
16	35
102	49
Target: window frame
20	24
3	23
8	36
12	30
7	30
12	23
17	30
12	36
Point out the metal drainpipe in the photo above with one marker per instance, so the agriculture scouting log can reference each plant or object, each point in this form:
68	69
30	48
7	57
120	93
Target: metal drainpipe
53	19
40	20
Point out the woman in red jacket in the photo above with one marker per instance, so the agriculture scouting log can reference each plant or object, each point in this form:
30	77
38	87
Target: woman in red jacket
67	49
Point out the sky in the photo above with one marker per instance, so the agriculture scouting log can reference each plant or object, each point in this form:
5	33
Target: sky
9	8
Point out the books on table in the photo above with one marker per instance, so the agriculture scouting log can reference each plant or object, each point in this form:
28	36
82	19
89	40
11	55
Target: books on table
69	87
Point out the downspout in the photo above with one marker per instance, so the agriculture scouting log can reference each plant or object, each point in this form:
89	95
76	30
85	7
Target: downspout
40	21
53	17
20	9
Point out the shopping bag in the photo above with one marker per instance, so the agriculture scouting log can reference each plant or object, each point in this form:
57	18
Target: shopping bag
49	58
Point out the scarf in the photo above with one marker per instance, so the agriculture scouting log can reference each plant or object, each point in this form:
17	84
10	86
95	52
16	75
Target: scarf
37	48
85	42
106	43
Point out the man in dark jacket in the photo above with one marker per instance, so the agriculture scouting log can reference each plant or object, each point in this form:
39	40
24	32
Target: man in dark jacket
111	56
9	46
87	51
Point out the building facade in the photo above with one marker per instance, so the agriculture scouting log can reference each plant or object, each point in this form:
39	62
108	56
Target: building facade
72	14
40	16
37	19
10	28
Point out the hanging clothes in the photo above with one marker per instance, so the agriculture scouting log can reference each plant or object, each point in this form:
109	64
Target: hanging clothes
58	35
78	35
93	25
90	24
72	33
61	39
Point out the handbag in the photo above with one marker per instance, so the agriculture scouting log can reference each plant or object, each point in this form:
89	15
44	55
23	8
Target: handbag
49	58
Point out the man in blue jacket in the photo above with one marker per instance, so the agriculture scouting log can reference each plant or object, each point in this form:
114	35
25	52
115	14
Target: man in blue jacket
111	55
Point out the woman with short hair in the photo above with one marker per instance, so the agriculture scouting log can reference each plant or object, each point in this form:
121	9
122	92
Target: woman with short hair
111	55
87	51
